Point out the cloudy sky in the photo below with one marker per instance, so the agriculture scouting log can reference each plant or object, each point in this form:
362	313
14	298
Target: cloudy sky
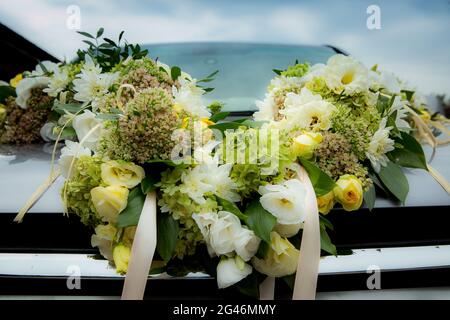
413	40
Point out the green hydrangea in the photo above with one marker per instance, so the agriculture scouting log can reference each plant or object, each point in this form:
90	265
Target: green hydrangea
357	124
77	198
298	70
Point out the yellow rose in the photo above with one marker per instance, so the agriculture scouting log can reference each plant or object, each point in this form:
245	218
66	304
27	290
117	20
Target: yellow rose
121	255
15	81
281	259
122	173
304	144
326	202
349	192
109	201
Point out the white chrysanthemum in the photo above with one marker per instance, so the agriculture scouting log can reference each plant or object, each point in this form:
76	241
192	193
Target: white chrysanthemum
23	89
285	201
384	80
401	114
83	124
266	109
90	83
307	111
189	98
346	74
68	153
50	67
379	145
194	184
199	181
58	82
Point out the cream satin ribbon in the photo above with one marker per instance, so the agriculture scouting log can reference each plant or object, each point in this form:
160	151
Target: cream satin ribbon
267	289
308	262
142	251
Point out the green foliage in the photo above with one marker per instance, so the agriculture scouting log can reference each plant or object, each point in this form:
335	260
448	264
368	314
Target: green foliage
394	180
108	53
6	92
409	153
369	197
260	220
167	235
321	182
130	215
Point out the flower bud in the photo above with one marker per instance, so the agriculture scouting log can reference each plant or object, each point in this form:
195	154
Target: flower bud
121	255
304	144
326	202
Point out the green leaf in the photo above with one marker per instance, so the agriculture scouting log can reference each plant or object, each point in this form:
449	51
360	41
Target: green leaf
230	207
259	220
411	155
321	182
277	71
395	180
130	215
212	74
382	103
409	94
327	223
68	107
148	183
121	35
88	35
369	197
175	72
219	116
6	92
167	236
100	32
68	133
325	241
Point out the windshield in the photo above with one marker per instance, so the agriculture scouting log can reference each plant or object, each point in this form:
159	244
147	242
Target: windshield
245	70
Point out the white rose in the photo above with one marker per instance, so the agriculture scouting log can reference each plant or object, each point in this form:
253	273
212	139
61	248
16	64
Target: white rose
285	201
246	244
83	124
231	271
71	150
223	232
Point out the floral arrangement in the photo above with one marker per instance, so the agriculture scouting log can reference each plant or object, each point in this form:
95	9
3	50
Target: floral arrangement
231	197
